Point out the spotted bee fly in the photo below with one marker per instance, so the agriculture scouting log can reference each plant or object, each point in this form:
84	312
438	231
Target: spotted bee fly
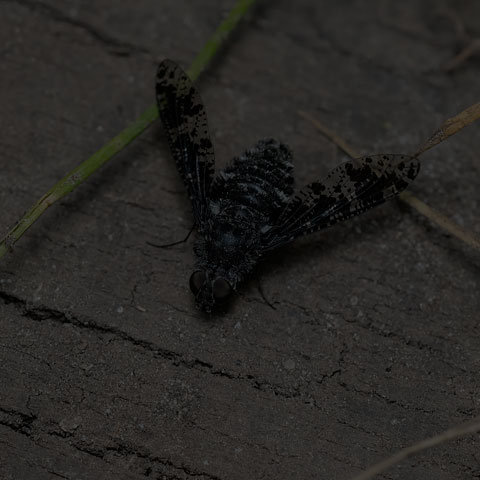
250	207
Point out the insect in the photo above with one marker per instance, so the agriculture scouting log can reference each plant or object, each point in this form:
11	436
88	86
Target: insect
250	207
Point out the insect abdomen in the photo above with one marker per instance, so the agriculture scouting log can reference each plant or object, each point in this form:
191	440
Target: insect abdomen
261	179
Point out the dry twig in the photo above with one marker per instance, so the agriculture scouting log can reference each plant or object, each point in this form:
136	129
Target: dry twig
470	45
472	426
451	127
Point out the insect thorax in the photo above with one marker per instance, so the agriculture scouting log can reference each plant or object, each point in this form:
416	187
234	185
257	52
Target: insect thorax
245	200
229	245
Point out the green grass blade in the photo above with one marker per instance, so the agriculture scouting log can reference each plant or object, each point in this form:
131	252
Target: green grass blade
79	174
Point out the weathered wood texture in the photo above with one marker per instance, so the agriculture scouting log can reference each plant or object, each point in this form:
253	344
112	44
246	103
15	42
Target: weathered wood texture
372	338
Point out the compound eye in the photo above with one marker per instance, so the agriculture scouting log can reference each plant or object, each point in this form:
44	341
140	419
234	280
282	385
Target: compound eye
221	290
197	279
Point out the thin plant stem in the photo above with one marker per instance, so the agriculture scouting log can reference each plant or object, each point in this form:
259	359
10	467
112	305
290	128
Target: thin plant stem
461	430
79	174
451	227
451	126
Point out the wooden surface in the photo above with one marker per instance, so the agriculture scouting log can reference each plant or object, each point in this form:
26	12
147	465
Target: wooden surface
343	347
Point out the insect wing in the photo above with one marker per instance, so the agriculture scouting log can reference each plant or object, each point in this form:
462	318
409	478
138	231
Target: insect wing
348	190
395	179
184	119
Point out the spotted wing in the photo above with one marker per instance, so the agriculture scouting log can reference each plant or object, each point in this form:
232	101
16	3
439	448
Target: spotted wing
348	190
184	119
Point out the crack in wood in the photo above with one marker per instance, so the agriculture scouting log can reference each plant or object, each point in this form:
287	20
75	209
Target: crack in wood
114	45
